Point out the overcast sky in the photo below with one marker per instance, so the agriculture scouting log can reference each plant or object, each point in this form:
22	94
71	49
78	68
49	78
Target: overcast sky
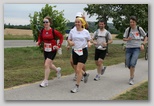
18	14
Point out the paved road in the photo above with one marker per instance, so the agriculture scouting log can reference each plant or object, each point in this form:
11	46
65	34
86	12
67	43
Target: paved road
18	43
112	83
30	43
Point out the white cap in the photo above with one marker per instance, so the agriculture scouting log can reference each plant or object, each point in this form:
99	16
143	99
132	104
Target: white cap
79	14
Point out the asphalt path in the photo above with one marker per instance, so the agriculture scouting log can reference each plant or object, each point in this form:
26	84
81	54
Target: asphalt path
112	83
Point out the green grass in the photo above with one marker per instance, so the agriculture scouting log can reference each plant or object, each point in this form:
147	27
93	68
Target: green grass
26	65
18	37
138	93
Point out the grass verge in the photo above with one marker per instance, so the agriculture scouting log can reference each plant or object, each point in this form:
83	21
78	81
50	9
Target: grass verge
138	93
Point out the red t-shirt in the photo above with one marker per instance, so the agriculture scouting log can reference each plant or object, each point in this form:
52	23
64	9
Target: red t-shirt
48	38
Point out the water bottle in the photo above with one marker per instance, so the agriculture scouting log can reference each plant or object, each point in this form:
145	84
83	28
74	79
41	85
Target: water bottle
60	51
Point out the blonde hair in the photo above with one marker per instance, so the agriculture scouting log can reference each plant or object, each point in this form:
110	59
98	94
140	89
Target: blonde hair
82	21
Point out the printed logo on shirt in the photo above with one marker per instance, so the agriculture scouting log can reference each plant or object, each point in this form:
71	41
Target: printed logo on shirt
47	33
136	35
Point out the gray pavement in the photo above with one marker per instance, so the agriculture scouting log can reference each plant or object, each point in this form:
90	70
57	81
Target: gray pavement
112	83
18	43
30	43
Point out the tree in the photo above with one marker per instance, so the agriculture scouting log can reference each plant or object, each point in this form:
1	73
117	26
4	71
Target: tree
120	14
123	12
58	20
102	11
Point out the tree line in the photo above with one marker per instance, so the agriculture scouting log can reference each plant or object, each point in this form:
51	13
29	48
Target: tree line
92	27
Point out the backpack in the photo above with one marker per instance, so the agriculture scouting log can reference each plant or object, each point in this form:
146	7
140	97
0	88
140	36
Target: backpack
130	29
106	37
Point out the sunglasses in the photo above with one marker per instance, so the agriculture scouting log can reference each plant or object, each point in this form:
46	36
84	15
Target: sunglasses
45	22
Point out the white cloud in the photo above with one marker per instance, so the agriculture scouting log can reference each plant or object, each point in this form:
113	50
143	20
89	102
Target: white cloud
19	13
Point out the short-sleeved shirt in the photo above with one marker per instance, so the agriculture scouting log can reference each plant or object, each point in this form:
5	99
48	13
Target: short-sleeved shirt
136	37
79	38
101	37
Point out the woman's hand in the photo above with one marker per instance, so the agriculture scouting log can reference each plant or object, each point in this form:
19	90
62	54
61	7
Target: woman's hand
71	43
37	44
56	47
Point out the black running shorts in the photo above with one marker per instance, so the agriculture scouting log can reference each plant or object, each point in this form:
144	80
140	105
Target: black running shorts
81	59
49	55
100	54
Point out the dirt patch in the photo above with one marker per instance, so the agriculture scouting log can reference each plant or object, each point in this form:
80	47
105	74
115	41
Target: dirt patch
19	32
114	36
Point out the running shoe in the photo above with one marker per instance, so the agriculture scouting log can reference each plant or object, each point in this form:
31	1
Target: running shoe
75	89
131	81
86	77
58	72
97	78
103	70
44	84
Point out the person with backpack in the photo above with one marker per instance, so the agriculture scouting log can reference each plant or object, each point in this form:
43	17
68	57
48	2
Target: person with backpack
101	39
79	38
48	38
134	44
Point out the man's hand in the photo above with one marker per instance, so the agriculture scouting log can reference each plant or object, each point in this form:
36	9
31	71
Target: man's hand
142	47
104	44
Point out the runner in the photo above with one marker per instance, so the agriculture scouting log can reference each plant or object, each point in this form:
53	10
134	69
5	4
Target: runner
78	39
47	36
101	39
84	25
132	36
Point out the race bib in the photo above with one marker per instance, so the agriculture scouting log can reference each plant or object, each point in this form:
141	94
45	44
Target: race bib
79	51
47	47
101	48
